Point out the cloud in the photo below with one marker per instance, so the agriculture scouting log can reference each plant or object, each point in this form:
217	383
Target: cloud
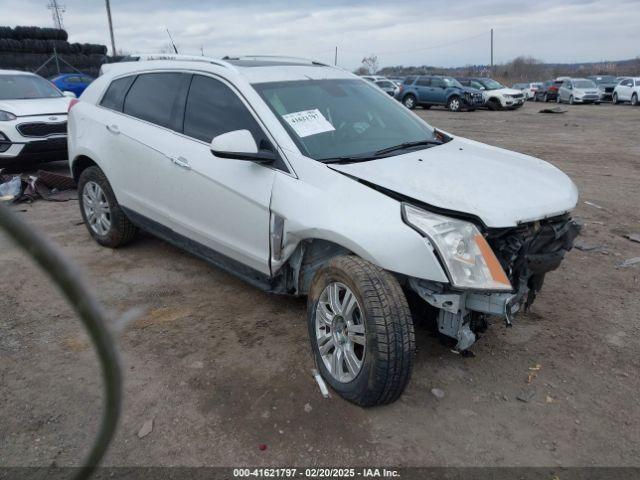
418	32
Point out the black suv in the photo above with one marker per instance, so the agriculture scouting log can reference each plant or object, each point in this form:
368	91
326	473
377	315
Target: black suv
428	90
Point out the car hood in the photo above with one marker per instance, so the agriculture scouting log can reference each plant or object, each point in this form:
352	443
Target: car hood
506	91
500	187
36	106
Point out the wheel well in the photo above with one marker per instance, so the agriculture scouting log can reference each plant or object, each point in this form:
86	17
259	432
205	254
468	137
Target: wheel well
80	164
309	256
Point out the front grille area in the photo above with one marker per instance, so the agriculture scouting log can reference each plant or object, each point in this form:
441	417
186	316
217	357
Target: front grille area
517	95
41	129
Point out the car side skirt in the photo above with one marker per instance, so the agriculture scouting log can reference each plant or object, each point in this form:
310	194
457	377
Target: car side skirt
229	265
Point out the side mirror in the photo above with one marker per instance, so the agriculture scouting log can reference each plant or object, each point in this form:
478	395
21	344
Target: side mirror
69	94
240	145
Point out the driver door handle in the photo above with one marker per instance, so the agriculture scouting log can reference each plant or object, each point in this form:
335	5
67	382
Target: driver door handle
113	129
181	162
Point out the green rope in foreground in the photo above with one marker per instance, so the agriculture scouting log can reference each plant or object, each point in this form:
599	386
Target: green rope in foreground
92	316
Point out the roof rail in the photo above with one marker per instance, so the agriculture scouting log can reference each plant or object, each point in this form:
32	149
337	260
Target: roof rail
282	58
178	57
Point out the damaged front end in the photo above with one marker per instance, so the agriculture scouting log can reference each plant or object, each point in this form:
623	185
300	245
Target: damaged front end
526	254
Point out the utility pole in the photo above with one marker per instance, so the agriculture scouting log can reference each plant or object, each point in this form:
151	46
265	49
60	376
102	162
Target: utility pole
113	42
492	50
56	12
335	58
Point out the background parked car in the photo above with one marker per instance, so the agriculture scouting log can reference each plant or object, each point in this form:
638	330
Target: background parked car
628	90
606	84
548	92
578	90
33	119
388	86
496	96
428	90
529	89
72	82
373	78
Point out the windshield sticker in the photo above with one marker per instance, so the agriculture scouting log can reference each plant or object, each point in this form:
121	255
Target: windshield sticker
308	122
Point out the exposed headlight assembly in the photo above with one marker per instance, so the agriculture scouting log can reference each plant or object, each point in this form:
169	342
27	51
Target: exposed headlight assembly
466	255
6	116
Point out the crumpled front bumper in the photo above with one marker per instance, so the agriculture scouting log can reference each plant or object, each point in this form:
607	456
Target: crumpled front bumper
527	253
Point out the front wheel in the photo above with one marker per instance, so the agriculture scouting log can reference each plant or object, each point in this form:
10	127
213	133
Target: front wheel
614	99
558	99
454	104
571	102
634	100
409	101
361	331
494	104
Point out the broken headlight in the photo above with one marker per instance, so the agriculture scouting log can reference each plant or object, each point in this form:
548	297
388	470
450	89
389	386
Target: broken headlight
466	255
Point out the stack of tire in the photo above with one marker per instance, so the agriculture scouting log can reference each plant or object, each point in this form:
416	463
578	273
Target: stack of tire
27	48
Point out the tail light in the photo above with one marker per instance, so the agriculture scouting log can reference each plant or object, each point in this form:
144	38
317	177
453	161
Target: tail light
72	103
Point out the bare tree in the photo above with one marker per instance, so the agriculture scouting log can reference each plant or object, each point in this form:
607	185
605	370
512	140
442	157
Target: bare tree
371	64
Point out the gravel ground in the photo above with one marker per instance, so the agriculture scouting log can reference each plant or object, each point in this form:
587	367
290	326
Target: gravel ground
222	368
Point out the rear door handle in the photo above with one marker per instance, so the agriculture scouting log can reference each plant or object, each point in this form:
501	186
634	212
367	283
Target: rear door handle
181	162
113	129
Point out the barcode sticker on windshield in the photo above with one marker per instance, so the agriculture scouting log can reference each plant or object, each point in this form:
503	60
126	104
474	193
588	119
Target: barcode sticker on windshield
308	122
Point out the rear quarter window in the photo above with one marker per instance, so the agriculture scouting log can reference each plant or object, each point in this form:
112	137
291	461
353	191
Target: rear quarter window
114	96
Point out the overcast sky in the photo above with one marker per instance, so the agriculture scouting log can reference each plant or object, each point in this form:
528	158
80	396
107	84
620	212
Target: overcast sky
411	32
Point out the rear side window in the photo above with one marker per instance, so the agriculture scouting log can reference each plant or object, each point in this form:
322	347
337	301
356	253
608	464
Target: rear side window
157	98
409	80
424	81
114	97
213	109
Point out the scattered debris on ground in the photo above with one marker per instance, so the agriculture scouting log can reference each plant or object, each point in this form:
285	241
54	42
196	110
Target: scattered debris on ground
323	386
587	247
595	205
634	237
526	396
147	428
553	110
533	372
438	393
307	407
629	262
44	185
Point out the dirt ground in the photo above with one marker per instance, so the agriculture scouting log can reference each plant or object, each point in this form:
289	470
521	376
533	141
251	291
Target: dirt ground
221	367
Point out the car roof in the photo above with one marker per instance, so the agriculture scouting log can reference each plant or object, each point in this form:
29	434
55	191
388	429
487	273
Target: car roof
255	69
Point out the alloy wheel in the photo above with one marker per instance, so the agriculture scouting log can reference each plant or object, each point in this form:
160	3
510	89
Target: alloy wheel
409	102
340	332
454	105
96	208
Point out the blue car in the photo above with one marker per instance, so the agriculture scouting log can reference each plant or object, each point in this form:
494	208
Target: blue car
72	82
428	90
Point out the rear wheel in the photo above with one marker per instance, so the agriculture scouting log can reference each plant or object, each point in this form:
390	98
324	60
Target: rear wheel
361	331
409	101
634	99
102	215
558	99
454	104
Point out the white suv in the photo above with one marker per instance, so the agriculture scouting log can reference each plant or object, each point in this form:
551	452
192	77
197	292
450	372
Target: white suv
303	179
628	90
33	119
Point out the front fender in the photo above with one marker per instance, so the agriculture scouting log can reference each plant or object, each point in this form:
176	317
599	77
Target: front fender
327	205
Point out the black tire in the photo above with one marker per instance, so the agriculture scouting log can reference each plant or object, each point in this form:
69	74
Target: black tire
614	99
410	101
634	99
426	107
546	98
494	104
390	344
571	102
535	97
454	104
121	230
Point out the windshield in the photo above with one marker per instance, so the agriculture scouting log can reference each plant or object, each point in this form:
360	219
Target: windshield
583	84
491	84
452	82
601	80
330	119
16	87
